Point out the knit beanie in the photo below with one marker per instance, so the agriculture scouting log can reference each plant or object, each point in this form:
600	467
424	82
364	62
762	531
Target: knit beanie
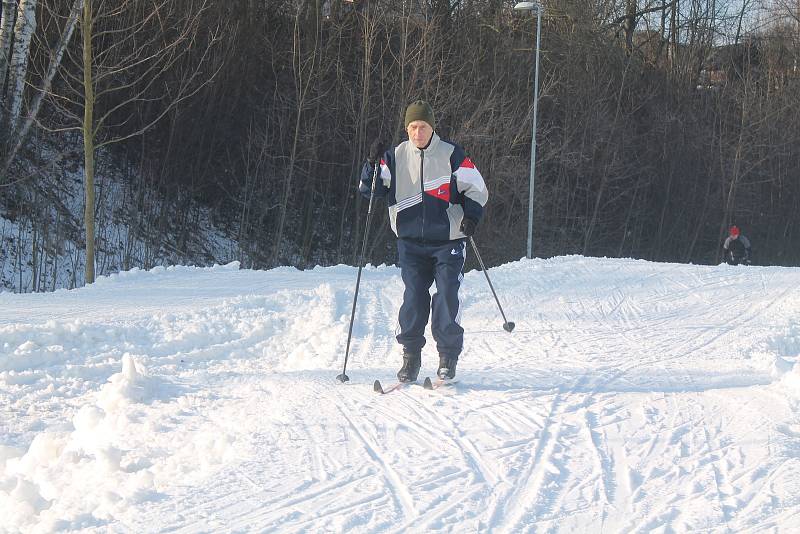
419	111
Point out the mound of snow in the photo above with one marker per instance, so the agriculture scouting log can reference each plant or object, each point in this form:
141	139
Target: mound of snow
132	385
792	379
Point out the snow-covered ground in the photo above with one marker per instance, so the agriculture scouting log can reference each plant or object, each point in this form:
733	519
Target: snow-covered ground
632	397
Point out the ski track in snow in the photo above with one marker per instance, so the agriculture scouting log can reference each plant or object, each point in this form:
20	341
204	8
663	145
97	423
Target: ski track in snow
631	397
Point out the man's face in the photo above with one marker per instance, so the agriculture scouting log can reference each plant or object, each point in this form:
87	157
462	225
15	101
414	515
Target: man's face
419	133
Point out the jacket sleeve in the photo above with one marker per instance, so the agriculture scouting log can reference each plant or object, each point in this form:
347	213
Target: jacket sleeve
384	179
726	245
470	185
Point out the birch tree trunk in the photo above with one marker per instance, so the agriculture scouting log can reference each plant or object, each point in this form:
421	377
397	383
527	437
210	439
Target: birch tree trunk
6	29
24	29
18	137
88	137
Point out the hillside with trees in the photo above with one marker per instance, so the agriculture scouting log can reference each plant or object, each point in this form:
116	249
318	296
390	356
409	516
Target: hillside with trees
147	132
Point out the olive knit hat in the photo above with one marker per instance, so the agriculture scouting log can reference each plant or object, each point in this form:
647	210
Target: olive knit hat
419	111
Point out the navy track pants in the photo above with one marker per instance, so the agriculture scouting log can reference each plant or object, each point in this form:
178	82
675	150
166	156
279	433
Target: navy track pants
421	265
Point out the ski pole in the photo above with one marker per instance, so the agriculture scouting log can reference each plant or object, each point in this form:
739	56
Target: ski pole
343	377
508	326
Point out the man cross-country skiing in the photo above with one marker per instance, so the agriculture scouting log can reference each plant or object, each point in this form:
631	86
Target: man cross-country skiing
436	198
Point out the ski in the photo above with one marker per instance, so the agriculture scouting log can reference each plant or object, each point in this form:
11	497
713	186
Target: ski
378	388
428	384
437	383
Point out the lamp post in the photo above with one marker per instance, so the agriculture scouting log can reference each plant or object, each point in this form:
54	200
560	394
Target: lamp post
537	8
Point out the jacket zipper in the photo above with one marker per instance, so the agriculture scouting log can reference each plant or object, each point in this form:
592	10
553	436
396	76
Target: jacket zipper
422	187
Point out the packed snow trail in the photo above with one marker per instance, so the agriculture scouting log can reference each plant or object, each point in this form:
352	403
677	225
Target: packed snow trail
631	397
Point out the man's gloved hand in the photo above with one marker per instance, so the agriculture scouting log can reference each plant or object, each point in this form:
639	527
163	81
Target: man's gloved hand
468	227
376	151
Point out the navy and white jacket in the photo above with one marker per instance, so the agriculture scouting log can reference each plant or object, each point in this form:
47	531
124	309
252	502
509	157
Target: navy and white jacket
429	190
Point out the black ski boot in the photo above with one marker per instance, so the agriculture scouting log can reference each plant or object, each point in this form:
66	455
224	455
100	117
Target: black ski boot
411	364
447	367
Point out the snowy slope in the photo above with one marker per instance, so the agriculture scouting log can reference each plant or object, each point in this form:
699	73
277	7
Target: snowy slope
632	397
49	254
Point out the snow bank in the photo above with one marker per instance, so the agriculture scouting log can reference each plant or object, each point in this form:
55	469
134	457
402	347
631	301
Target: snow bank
631	395
108	462
792	380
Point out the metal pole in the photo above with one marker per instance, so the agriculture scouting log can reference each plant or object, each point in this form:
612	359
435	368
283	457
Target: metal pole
533	137
343	377
508	326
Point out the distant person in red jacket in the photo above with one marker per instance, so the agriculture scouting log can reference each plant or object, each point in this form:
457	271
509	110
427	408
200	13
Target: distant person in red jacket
737	248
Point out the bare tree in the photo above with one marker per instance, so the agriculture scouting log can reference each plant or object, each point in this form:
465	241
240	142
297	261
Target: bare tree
87	25
305	68
24	28
6	32
17	136
133	55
